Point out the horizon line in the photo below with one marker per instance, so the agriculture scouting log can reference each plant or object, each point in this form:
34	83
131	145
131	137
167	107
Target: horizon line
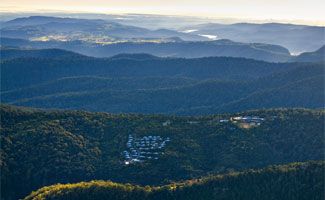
307	22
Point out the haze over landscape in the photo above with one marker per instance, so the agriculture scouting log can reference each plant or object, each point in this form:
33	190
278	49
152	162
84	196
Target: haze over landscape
170	100
299	11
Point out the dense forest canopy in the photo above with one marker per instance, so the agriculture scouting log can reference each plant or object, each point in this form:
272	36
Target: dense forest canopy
142	83
160	107
290	182
46	147
21	72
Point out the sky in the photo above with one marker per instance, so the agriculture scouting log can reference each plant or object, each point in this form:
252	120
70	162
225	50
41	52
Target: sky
303	11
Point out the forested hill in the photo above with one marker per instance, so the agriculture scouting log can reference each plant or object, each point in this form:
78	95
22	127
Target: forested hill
315	56
40	148
22	72
141	83
303	181
10	53
187	49
292	36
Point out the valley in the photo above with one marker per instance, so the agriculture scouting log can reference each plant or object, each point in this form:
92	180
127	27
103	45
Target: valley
154	106
106	38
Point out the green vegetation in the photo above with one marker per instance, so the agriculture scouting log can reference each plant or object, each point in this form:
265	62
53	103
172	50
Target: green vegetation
147	84
130	150
23	72
10	53
291	182
40	148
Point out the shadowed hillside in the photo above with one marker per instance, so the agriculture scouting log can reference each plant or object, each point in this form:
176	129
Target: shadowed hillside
291	182
141	83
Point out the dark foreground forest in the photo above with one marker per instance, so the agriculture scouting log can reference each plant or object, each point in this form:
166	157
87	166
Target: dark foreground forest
40	148
291	182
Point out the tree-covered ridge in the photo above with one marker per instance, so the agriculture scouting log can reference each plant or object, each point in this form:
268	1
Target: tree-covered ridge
10	53
151	85
315	56
41	148
31	71
164	47
293	181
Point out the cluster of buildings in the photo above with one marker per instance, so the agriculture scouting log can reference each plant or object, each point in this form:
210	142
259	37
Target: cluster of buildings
145	148
166	123
244	121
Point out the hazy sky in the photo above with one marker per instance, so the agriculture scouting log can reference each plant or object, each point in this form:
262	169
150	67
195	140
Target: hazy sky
307	11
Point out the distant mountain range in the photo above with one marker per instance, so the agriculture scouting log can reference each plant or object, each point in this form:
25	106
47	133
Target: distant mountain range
185	49
100	38
42	28
15	48
144	83
297	38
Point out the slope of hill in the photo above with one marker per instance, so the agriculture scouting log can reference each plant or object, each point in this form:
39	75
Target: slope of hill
10	53
297	38
41	148
156	100
147	84
41	20
291	182
195	99
95	83
139	56
316	56
169	48
308	92
22	72
44	28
